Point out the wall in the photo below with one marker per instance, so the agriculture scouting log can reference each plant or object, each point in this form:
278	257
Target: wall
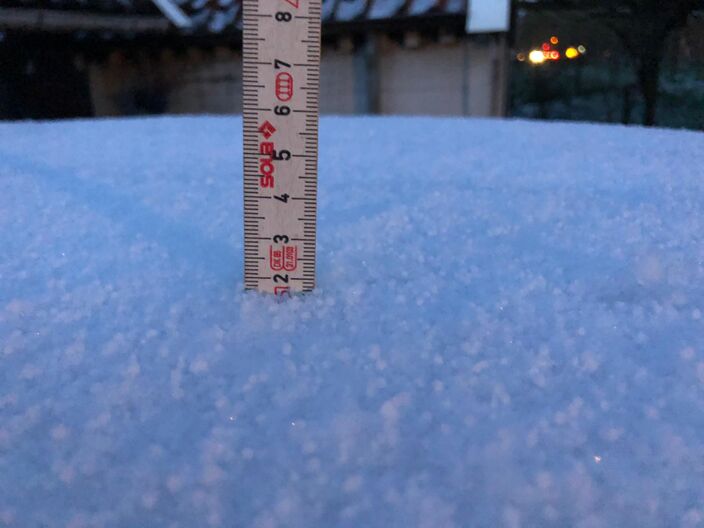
37	83
458	77
192	82
462	77
337	82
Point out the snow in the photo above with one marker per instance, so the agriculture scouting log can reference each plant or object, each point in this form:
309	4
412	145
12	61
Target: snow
350	9
508	330
455	6
328	9
420	7
385	8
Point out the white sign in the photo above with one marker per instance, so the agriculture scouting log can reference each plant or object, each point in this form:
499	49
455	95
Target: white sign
488	16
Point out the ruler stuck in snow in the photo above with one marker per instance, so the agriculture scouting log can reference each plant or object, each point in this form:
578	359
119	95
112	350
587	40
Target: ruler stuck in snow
281	77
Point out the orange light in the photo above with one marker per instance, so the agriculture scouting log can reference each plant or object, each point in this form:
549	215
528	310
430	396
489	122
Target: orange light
554	41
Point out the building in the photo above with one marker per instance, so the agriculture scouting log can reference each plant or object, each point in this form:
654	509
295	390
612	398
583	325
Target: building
125	57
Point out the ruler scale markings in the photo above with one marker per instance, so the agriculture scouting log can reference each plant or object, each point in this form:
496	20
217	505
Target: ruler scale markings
281	56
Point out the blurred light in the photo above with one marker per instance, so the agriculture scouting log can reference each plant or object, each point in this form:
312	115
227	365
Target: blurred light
571	53
554	41
521	57
553	55
581	49
546	46
536	57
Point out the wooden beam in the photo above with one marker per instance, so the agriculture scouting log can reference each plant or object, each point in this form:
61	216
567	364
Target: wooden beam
62	21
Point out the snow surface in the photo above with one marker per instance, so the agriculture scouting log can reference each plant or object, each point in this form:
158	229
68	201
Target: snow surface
508	330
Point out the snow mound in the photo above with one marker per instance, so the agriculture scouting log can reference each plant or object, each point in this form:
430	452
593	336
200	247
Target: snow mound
508	330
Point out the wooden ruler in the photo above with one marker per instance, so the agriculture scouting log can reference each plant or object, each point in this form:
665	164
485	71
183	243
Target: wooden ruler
281	74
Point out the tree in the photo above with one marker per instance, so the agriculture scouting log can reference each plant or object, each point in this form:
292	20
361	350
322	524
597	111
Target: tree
643	26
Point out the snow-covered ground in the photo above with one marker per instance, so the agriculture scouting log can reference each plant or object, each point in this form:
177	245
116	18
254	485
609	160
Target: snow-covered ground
508	330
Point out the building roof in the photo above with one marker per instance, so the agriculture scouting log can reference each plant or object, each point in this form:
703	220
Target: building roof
217	16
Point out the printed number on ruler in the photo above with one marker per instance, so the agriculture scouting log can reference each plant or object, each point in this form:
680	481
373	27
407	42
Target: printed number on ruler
281	74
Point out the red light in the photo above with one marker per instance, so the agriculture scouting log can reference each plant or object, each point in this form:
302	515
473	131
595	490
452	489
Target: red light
551	55
546	46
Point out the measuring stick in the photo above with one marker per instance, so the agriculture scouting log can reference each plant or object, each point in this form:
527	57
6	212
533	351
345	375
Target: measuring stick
281	74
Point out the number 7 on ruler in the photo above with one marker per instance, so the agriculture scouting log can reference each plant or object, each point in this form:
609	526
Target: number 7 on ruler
281	78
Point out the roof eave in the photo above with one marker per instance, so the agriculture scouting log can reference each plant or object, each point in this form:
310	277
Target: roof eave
53	20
